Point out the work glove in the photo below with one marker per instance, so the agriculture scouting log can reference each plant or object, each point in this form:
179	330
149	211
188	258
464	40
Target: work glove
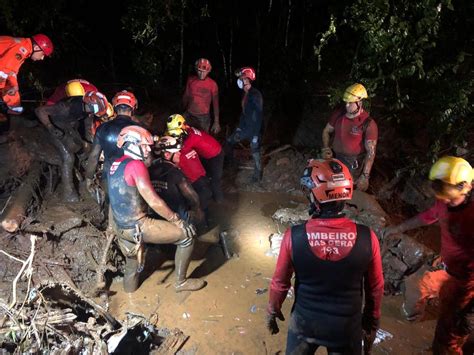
370	325
326	153
189	230
362	182
216	127
271	322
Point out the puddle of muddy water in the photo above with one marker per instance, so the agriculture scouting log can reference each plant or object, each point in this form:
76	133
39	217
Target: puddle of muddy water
227	316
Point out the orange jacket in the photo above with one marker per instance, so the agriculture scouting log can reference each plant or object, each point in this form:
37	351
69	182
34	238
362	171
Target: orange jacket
13	52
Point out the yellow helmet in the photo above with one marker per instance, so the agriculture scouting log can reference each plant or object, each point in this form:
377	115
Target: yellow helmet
74	88
175	125
110	111
452	170
355	93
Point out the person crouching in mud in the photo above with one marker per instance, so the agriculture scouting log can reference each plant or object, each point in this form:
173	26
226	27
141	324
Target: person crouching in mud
130	191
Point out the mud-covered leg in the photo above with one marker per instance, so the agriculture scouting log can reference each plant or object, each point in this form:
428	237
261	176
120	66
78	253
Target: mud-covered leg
182	259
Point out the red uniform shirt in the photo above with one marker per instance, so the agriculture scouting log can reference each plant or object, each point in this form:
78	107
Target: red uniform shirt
60	92
199	94
457	235
13	52
330	239
191	166
349	138
204	144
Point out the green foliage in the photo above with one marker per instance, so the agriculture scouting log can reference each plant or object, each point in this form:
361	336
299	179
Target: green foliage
406	54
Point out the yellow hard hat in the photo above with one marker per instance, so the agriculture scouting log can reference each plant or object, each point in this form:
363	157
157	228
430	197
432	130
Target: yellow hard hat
354	93
452	170
74	88
175	122
110	110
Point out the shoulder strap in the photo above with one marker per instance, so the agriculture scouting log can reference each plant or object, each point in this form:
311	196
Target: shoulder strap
363	231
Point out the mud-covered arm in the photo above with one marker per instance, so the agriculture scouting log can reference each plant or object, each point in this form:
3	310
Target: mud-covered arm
43	113
93	160
327	131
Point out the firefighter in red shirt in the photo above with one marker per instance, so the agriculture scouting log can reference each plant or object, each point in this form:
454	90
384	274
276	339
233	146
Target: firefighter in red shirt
200	91
355	136
74	87
333	258
208	148
454	210
13	52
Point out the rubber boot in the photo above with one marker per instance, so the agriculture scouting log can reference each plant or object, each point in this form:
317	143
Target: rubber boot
257	173
131	277
182	259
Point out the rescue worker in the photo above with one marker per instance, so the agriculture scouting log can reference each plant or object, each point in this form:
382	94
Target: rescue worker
251	120
13	52
171	184
355	136
105	139
208	148
200	91
334	260
130	191
454	210
63	121
74	87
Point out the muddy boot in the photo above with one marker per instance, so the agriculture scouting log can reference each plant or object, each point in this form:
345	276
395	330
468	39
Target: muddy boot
182	259
257	172
189	285
131	277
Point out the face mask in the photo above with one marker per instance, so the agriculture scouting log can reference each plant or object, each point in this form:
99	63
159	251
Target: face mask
240	84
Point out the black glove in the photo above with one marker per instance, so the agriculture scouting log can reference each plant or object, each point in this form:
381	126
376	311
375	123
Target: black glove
271	322
370	325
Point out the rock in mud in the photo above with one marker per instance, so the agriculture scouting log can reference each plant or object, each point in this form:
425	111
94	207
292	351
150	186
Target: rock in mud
292	216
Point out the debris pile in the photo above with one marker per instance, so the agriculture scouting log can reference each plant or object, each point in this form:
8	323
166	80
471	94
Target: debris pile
59	317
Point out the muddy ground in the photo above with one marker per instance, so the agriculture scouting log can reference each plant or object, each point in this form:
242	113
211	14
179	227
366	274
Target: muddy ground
226	317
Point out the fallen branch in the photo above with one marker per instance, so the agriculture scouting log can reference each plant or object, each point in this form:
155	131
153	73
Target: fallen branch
277	150
104	266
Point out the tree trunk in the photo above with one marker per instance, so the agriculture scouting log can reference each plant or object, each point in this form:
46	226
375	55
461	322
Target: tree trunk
288	23
18	205
231	42
181	60
224	61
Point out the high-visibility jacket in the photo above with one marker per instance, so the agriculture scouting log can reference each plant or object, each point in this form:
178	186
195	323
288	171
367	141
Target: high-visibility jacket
13	52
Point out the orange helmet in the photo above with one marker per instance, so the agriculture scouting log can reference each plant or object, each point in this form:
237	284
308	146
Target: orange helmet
246	72
95	103
203	64
125	97
135	135
328	180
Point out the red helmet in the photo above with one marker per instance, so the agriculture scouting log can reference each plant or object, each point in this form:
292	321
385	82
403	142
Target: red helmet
328	180
246	72
44	43
125	97
203	64
96	102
